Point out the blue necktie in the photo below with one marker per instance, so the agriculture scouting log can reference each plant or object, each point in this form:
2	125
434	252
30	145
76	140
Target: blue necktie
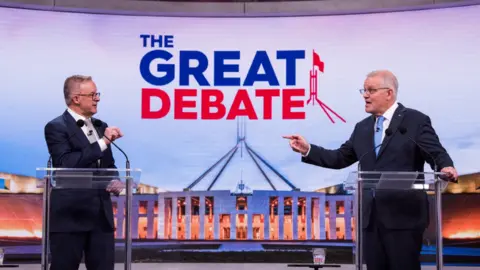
378	133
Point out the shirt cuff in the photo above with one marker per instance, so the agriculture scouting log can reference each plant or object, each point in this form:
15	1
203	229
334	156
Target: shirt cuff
102	144
308	152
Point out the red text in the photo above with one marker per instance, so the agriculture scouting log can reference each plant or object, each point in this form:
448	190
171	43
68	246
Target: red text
212	106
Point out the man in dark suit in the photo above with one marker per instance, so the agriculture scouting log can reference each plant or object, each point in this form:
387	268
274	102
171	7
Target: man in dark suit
81	221
393	221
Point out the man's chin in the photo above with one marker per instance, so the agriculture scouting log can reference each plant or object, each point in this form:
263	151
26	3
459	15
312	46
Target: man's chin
368	108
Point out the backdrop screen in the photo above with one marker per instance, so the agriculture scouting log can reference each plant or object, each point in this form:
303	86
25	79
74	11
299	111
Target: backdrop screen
234	67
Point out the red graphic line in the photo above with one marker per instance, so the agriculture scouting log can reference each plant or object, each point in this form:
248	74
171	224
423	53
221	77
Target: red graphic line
314	96
325	107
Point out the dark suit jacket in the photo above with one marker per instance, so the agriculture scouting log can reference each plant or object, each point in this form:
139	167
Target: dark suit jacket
404	209
74	210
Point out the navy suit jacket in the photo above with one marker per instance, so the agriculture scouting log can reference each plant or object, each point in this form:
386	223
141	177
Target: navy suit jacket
403	209
75	210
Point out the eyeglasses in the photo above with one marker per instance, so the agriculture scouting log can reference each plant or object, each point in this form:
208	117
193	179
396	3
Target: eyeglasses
92	95
371	91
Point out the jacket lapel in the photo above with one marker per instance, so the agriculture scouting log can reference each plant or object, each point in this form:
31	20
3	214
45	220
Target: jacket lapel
100	130
366	135
73	128
370	134
394	124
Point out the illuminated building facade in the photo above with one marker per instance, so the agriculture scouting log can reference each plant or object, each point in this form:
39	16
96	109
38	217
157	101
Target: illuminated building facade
260	215
329	216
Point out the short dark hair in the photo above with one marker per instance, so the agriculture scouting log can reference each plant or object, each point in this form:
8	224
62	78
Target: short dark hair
71	83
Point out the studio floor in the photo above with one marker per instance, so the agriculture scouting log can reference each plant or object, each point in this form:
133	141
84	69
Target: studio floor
225	266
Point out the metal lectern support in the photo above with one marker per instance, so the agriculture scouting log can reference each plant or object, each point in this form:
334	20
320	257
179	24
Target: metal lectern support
438	217
45	220
358	225
128	222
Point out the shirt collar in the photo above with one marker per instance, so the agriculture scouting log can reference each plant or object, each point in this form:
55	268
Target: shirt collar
76	116
388	114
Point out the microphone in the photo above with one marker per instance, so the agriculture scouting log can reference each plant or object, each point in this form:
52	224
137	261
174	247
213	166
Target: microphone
98	123
80	123
403	131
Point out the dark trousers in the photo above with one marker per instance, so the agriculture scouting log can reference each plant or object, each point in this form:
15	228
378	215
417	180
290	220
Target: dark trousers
98	247
390	249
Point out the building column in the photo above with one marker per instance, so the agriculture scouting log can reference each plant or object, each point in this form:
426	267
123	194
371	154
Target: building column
316	218
150	219
308	214
233	223
161	217
280	217
216	221
249	225
174	217
322	217
120	217
188	216
348	218
266	221
202	217
134	216
333	218
295	217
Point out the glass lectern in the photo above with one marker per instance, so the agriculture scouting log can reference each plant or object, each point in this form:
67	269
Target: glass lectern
368	183
51	179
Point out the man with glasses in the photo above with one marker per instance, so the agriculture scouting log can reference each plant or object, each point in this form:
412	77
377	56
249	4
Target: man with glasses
81	220
393	221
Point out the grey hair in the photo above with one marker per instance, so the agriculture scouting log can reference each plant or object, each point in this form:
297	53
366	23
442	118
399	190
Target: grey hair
388	78
72	83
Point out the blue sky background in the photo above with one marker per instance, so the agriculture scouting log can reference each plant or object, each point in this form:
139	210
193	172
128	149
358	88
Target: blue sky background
434	54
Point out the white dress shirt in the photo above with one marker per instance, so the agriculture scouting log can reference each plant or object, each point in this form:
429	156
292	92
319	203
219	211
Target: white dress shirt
88	129
388	115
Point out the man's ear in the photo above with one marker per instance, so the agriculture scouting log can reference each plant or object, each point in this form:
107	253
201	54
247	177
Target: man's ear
75	100
391	93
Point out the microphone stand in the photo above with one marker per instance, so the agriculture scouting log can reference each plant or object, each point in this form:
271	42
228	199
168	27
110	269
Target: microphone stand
438	202
128	210
128	221
128	203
